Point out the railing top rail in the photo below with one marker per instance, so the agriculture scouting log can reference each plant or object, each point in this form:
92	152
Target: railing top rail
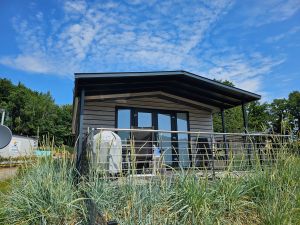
192	132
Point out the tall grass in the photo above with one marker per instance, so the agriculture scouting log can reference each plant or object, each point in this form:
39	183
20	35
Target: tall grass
44	193
269	196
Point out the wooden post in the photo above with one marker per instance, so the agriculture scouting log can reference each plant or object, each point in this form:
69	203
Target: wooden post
245	117
247	145
80	140
212	157
224	135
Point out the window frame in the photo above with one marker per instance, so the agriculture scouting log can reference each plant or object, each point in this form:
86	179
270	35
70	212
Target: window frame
155	112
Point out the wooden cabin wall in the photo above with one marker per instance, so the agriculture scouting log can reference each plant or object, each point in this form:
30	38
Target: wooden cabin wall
101	113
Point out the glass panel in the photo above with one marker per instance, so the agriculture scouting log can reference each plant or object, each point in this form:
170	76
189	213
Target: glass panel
144	119
165	139
124	118
182	122
124	122
164	121
183	142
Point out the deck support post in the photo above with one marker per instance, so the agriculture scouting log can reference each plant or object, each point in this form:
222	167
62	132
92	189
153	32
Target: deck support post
245	118
246	139
224	135
212	156
80	138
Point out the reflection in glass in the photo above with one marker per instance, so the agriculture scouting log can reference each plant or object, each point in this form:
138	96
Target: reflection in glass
183	144
144	119
124	122
164	139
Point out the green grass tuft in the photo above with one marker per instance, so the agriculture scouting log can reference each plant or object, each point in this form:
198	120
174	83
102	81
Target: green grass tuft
44	193
268	196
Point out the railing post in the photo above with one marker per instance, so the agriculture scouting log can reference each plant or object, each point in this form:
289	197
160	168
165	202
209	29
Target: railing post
80	138
259	145
89	156
212	155
245	117
247	145
224	135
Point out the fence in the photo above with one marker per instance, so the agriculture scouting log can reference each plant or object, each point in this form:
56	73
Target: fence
151	152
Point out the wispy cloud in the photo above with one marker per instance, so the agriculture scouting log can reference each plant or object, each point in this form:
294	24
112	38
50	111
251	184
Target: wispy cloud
281	36
269	11
28	63
142	35
111	36
246	71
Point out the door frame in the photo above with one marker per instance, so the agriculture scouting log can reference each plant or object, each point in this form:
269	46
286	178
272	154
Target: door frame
155	112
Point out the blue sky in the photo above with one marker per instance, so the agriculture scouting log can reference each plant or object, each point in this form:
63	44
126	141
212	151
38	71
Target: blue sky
255	44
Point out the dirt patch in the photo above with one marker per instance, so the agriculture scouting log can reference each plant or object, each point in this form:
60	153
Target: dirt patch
6	173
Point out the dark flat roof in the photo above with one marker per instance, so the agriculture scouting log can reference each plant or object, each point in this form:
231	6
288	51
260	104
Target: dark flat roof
181	83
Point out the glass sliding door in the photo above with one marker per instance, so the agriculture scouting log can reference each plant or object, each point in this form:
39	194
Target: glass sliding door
143	140
183	140
124	122
144	119
173	146
164	122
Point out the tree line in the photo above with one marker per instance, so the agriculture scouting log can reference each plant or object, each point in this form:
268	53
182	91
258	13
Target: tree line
279	116
33	113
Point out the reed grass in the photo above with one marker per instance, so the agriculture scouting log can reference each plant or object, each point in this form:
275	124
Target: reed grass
44	193
268	195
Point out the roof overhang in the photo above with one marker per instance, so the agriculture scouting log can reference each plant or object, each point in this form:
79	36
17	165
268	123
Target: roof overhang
179	86
180	83
158	94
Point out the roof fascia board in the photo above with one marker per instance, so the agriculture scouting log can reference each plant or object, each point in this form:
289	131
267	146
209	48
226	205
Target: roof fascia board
165	73
126	74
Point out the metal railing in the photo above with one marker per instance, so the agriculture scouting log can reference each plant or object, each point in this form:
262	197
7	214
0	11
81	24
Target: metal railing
151	152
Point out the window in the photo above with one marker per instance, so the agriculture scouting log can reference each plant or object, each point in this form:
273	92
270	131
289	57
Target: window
165	138
124	122
144	119
183	140
175	147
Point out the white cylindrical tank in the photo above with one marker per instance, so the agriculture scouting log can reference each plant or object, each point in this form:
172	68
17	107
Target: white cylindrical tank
107	151
19	146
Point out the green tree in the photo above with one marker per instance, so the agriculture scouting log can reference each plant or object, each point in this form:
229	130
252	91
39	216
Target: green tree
63	126
284	112
31	111
279	115
233	117
258	116
233	120
294	106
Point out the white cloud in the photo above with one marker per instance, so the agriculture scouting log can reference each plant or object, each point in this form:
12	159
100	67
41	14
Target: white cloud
246	71
74	7
253	84
281	36
132	36
39	16
269	11
102	37
27	63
